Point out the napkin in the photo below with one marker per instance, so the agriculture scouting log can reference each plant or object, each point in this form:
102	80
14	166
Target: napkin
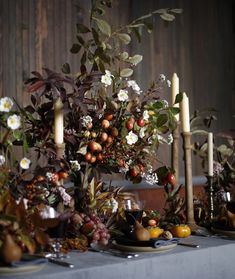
153	242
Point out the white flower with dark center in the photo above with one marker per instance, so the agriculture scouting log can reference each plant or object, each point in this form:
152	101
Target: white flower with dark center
168	83
123	95
145	115
107	78
86	120
162	77
14	121
6	104
2	160
75	166
25	163
131	138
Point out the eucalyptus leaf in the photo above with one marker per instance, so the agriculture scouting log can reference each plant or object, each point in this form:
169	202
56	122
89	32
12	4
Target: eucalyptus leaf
167	17
124	55
179	98
103	26
75	48
162	119
125	38
177	11
81	28
127	72
66	68
136	59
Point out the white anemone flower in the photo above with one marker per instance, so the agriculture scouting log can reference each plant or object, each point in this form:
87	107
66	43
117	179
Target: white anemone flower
6	104
107	78
2	160
75	166
14	121
123	95
134	86
145	115
86	120
25	163
142	132
131	138
162	77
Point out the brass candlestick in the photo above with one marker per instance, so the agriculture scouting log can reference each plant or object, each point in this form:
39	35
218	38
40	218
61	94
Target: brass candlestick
60	150
188	180
175	153
210	198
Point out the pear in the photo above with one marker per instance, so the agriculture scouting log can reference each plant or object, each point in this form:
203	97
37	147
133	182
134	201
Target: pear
140	232
9	250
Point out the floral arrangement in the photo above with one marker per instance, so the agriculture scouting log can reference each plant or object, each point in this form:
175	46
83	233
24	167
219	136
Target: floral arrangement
110	125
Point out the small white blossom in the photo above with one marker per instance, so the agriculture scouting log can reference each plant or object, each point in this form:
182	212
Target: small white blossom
151	178
65	196
145	115
75	166
6	104
114	205
165	103
14	121
129	162
123	95
2	160
107	78
49	175
134	86
131	138
162	77
142	132
25	163
124	169
169	139
86	120
168	83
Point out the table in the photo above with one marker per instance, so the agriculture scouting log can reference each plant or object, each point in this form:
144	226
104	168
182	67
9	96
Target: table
214	259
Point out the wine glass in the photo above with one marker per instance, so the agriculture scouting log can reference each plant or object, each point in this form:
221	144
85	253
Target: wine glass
133	212
56	234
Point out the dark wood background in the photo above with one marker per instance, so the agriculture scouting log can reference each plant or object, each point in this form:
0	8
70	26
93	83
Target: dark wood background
198	46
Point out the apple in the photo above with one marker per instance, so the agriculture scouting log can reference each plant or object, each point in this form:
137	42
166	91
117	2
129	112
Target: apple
105	124
140	122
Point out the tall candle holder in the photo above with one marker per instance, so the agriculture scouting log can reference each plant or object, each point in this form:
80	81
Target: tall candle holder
175	152
210	198
60	150
188	181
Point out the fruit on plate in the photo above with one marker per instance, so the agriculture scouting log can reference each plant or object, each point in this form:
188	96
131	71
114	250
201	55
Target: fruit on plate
181	230
155	232
140	232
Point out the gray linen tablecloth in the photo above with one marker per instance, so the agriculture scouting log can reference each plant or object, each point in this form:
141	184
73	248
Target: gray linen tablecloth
215	259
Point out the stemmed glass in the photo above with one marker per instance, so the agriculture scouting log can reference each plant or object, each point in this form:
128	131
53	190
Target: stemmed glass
57	233
133	213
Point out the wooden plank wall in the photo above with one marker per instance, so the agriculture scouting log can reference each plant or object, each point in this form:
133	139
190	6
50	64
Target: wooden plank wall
198	46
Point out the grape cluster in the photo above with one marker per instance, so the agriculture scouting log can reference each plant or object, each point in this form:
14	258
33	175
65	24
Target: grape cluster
92	227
